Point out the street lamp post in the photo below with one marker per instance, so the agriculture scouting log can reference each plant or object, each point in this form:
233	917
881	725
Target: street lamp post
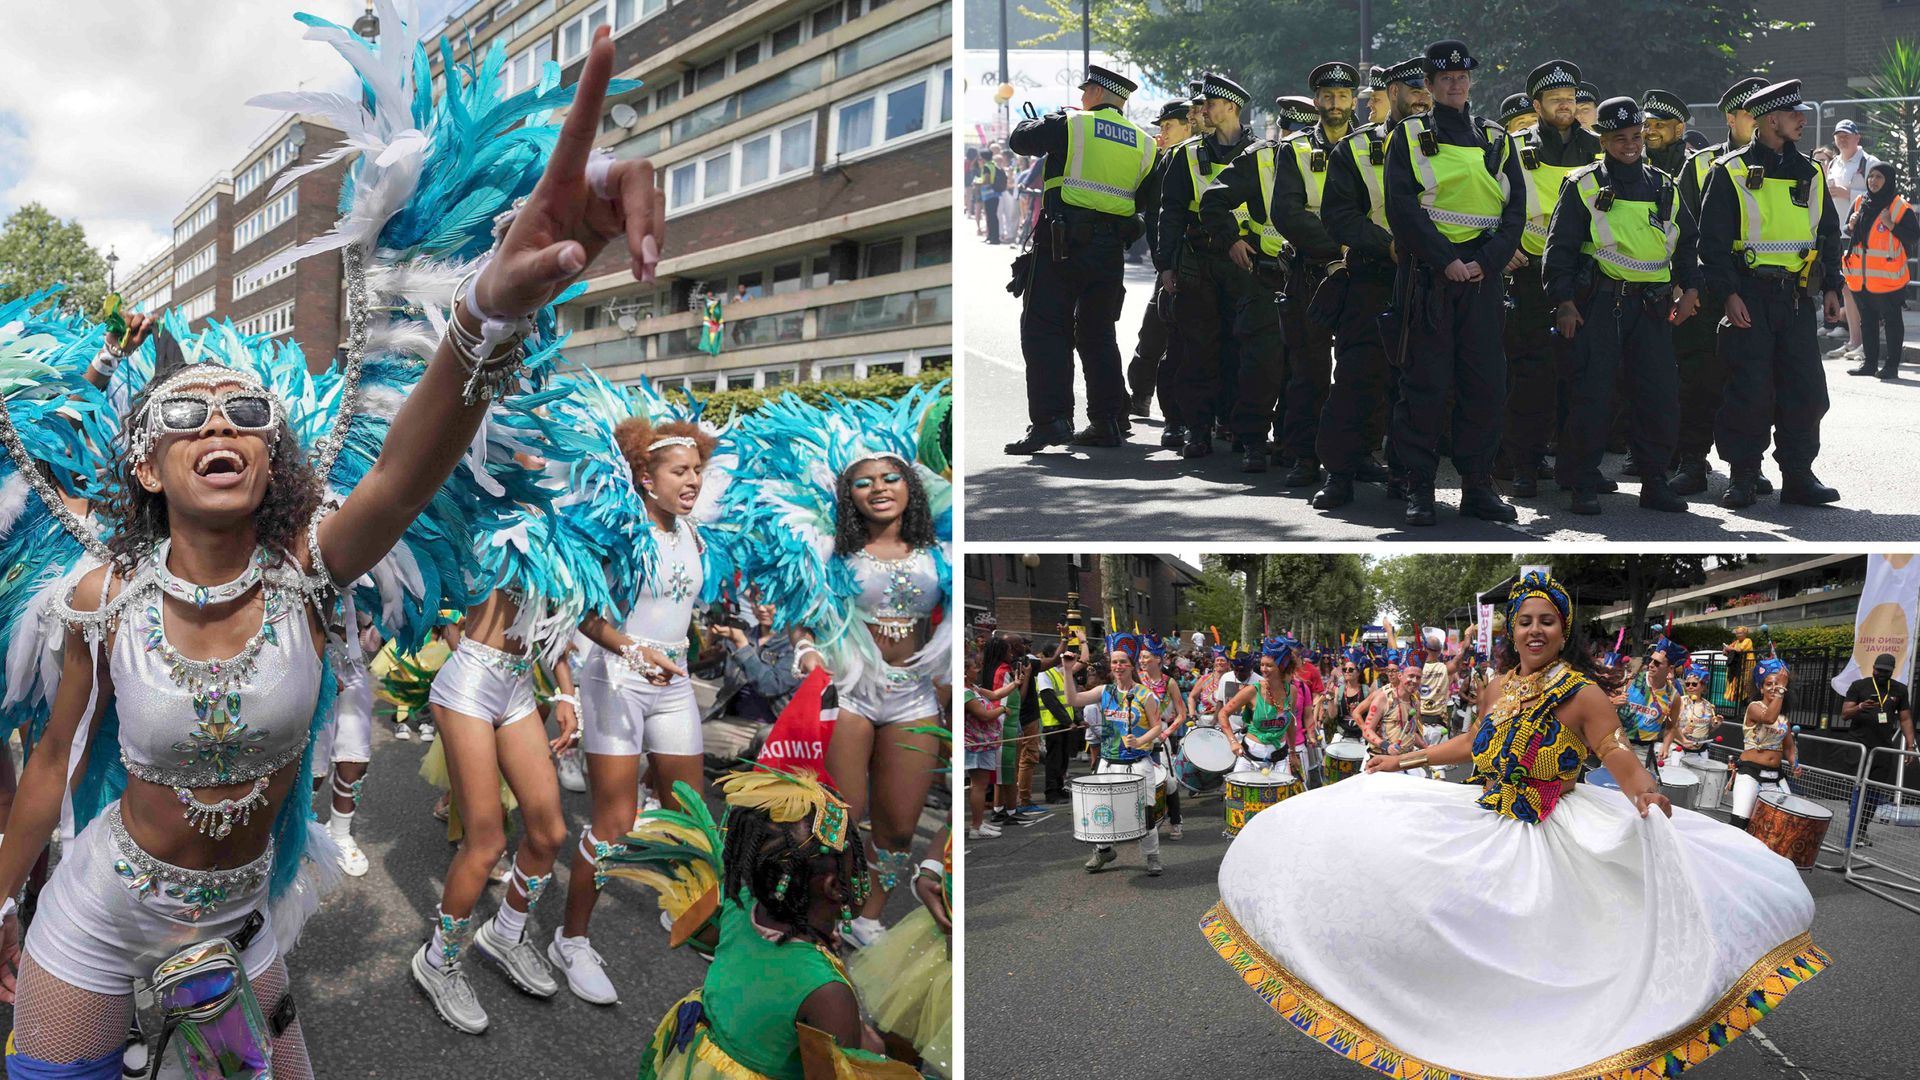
113	260
368	25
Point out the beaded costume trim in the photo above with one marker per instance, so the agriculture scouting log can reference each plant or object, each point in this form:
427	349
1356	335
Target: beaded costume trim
1744	1005
203	891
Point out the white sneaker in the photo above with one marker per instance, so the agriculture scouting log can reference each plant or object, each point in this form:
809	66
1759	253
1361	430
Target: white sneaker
402	732
426	732
1856	352
572	776
353	861
984	832
666	922
586	972
651	804
863	932
452	995
519	959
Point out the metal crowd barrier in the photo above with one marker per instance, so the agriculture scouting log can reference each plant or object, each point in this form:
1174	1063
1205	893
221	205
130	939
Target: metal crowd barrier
1834	788
1883	853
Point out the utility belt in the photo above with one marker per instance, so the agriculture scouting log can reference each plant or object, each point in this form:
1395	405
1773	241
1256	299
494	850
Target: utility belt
1656	290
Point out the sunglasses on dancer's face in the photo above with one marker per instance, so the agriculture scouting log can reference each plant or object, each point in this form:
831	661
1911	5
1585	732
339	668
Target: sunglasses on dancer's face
188	411
865	482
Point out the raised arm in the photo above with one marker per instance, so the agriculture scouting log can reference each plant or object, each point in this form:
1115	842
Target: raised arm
554	237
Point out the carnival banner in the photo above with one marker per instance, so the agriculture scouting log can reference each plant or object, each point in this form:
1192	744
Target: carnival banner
1884	622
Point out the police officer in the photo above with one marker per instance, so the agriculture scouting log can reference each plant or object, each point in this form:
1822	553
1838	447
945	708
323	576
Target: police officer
1209	290
1279	195
1667	119
1455	203
1769	243
1310	341
1097	162
1619	246
1535	358
1517	115
1703	374
1586	101
1354	209
1171	128
1379	104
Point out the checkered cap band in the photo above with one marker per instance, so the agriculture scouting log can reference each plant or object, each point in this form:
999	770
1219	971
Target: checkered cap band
1662	108
1556	74
1334	74
1224	90
1778	98
1102	81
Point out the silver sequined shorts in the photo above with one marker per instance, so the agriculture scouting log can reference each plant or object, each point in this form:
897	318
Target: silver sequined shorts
905	697
481	681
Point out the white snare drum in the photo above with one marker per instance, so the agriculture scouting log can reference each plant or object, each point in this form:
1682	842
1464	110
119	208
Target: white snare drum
1680	785
1713	780
1207	749
1345	757
1108	807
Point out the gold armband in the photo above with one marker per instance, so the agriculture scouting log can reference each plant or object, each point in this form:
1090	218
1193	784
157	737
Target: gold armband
1413	762
1613	740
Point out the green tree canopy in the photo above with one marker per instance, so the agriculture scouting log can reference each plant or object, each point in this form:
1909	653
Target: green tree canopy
37	249
1317	597
1424	588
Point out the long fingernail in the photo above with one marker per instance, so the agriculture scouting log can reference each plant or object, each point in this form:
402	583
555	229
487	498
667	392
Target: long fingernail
649	249
573	260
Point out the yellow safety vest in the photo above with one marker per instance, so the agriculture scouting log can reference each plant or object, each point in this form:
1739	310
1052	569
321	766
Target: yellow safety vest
1271	242
1629	239
1462	198
1190	150
1056	680
1315	180
1774	230
1108	158
1543	192
1370	157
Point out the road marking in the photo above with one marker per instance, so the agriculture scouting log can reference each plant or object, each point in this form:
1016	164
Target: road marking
997	361
1761	1037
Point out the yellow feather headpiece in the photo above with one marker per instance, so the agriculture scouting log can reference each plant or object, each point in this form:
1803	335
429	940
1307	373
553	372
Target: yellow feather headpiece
787	797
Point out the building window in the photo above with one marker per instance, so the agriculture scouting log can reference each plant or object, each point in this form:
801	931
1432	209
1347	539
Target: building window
272	322
789	84
242	286
898	39
933	249
708	74
891	115
156	301
201	262
666	96
266	219
882	258
283	153
788	36
201	218
759	160
525	22
525	70
786	278
835	372
627	13
826	19
577	33
746	57
198	307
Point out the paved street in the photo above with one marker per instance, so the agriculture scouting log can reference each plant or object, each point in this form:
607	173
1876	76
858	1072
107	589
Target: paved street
1143	493
1072	975
364	1016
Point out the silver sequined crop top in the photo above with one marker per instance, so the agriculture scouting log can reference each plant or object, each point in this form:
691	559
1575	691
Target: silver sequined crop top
897	590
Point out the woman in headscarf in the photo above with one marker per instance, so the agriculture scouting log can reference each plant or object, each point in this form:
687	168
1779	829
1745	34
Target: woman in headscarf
1882	233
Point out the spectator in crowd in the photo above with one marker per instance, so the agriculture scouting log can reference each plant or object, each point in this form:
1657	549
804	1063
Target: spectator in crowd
1058	731
970	187
1877	713
1847	180
992	183
982	731
1883	233
1009	198
758	677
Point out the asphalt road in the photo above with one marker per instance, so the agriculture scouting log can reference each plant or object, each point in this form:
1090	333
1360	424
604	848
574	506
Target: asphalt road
1144	493
1072	975
365	1017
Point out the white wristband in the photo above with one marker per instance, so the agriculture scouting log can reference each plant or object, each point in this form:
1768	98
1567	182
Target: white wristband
568	698
105	361
599	167
934	867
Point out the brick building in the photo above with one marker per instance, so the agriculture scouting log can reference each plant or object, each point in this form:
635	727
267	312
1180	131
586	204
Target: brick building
1029	594
804	150
236	221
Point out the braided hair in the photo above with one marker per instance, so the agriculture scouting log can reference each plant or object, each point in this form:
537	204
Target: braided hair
761	853
140	516
851	532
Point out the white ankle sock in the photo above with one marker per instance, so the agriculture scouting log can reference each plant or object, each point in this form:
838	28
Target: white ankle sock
435	956
340	826
509	923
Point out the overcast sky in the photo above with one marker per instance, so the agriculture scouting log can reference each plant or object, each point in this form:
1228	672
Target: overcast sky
116	112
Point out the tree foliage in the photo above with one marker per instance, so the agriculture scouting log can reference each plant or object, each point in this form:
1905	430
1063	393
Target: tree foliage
1892	128
1636	578
37	250
1216	601
1316	597
1424	588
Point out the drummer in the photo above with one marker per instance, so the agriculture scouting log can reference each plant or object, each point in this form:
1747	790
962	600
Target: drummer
1173	712
1769	739
1695	724
1276	733
1652	702
1392	724
1348	695
1126	728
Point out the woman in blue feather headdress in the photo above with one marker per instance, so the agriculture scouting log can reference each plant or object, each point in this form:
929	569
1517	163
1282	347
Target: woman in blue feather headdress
216	553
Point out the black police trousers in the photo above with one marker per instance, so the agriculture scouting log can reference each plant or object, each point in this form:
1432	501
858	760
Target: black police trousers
1351	420
1073	304
1775	383
1150	356
1627	341
1309	366
1703	379
1229	329
1536	360
1455	346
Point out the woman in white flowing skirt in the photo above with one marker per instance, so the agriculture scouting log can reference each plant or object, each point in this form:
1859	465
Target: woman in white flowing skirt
1522	925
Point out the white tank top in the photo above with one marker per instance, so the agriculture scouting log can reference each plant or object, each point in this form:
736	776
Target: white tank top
893	590
663	609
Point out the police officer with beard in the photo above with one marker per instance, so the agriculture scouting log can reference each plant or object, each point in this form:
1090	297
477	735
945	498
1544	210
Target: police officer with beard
1667	119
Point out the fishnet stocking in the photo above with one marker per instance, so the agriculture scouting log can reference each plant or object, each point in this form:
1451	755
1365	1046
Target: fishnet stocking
60	1023
290	1049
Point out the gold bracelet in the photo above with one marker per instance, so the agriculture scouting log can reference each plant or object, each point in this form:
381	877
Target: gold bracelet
1413	762
1611	741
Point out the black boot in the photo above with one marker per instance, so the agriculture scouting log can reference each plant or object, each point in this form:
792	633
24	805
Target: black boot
1041	436
1801	488
1173	437
1761	484
1397	487
1254	460
1141	403
1586	500
1419	502
1605	485
1890	371
1098	433
1305	473
1869	370
1372	472
1196	447
1657	494
1526	482
1738	823
1631	468
1336	492
1740	492
1690	478
1479	499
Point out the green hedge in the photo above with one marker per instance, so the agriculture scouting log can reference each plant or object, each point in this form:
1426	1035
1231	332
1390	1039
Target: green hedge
1696	638
725	404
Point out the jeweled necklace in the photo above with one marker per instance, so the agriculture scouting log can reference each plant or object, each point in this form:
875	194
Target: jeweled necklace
201	595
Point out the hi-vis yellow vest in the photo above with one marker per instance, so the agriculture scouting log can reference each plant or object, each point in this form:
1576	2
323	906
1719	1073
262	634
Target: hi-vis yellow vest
1369	146
1190	151
1271	242
1304	158
1462	198
1629	240
1774	230
1543	191
1108	158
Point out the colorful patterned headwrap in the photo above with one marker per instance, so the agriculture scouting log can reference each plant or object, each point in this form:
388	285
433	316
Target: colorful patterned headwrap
1124	642
1694	671
1155	646
1772	665
1280	649
1539	583
1676	652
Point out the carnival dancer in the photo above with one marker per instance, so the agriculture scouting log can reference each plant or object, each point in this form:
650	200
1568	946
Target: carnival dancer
346	747
1587	881
1127	729
1173	713
847	532
764	899
1768	741
1276	730
1696	722
906	981
1205	696
1392	721
1652	701
1351	694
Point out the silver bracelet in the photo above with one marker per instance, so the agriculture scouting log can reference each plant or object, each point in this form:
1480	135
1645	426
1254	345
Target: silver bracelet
489	371
568	698
636	661
803	649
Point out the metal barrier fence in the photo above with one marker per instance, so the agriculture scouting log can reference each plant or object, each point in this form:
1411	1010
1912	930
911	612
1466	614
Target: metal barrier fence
1834	784
1884	853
